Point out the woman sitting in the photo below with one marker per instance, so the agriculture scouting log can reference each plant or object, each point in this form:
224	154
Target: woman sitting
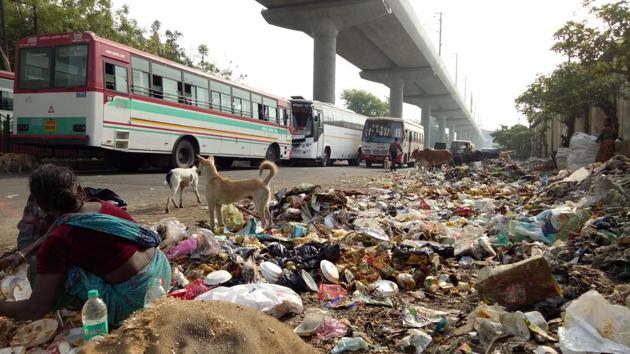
91	245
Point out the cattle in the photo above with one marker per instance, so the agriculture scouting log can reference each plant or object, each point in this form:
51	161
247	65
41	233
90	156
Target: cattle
431	158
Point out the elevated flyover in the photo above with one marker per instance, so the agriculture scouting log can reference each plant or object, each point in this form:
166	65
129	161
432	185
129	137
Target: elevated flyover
385	39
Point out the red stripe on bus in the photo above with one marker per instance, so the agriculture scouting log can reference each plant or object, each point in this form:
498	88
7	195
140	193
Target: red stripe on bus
49	137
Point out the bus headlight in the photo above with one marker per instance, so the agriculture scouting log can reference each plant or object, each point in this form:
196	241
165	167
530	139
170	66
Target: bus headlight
78	128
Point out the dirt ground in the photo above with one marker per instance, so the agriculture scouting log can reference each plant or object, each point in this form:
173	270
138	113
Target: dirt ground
146	194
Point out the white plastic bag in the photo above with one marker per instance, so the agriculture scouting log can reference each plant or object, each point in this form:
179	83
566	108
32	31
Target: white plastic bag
272	299
592	324
583	151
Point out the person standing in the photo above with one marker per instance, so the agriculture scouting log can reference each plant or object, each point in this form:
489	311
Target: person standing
606	141
394	149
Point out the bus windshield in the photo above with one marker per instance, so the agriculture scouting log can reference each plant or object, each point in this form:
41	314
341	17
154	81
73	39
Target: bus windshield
53	67
382	131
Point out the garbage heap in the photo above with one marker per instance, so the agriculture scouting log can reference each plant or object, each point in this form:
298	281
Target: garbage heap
487	258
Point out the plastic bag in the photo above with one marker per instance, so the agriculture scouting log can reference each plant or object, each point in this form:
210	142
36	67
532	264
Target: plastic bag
583	149
232	218
558	223
171	231
523	230
592	324
272	299
331	328
183	248
350	344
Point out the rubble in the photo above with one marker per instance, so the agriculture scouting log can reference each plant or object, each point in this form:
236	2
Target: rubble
482	258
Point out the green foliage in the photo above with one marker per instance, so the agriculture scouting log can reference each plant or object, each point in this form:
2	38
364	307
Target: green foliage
364	102
518	139
99	17
596	74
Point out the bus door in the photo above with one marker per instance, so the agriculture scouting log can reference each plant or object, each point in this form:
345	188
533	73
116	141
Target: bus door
409	144
318	133
116	99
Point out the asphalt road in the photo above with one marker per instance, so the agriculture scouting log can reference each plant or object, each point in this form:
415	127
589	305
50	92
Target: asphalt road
146	193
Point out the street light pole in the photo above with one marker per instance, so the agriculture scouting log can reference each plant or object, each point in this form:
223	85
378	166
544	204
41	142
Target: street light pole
456	66
440	37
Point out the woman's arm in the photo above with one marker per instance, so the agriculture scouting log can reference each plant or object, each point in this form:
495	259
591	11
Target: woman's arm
40	302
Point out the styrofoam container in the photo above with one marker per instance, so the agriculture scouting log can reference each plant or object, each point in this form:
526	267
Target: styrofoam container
217	277
309	281
270	271
329	271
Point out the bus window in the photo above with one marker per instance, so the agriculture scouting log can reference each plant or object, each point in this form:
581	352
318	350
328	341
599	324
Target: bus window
202	97
71	66
115	78
140	82
247	108
226	103
272	114
261	111
170	90
156	90
216	100
237	105
6	100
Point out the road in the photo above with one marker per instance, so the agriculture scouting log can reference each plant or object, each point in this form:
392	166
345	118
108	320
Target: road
146	193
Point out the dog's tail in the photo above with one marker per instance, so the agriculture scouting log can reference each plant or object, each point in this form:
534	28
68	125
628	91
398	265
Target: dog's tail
168	179
268	165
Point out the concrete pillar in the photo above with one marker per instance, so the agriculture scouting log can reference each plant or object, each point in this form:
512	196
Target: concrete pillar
396	92
324	58
442	129
426	123
451	135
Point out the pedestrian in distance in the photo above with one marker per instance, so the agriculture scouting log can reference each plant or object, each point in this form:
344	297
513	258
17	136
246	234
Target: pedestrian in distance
394	150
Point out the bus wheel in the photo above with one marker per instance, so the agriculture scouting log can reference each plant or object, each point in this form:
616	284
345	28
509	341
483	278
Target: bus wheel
272	154
325	161
183	155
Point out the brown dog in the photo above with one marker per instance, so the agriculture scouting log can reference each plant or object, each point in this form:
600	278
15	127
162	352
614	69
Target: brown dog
22	161
223	190
431	158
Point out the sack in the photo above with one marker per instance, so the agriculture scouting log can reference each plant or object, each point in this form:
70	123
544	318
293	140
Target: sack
583	151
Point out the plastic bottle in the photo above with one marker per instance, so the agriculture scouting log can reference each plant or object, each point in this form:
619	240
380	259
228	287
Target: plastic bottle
94	316
154	292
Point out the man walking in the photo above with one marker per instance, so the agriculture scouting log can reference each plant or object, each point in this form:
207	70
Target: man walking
394	148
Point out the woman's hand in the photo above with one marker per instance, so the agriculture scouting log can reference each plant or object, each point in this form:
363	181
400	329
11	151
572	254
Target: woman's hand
9	263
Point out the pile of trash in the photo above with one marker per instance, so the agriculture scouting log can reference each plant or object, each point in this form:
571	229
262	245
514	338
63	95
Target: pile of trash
472	259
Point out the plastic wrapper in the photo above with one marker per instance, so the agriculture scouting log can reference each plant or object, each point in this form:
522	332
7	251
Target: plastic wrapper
350	344
592	324
184	248
417	341
272	299
331	328
171	231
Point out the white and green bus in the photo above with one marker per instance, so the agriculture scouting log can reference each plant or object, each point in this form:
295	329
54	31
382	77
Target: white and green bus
77	89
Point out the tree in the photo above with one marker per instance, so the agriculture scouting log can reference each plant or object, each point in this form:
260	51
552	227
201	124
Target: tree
517	138
99	17
364	102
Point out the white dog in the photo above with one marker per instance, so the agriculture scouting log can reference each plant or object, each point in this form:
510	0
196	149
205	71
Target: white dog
179	178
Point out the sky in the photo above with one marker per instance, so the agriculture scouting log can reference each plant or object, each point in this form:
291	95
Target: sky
501	46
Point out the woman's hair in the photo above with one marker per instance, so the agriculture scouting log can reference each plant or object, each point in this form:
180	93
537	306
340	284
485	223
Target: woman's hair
56	188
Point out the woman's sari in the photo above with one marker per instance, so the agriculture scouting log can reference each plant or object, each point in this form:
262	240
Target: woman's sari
123	298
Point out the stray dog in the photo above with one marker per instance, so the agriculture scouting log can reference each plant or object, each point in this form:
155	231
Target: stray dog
22	161
432	158
223	190
387	164
179	178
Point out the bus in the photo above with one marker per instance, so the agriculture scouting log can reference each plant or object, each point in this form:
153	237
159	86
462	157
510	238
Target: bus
78	89
324	133
6	94
380	132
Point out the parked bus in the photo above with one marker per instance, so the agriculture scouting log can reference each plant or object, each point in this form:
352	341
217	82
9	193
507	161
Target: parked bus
6	93
324	133
77	89
380	132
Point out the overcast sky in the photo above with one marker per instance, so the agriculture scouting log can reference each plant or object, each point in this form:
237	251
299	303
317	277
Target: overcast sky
501	45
